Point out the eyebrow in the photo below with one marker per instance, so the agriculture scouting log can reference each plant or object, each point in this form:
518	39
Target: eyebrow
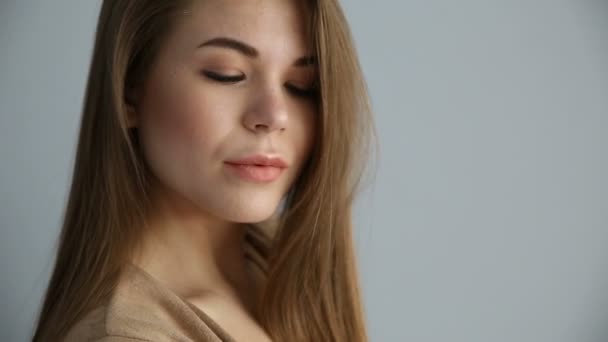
250	51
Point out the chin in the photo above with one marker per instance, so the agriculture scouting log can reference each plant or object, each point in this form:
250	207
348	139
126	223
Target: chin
249	211
251	217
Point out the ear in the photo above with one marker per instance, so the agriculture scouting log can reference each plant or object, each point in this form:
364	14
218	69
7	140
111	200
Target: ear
132	121
131	99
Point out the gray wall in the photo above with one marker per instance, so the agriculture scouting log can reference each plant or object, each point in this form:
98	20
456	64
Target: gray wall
488	220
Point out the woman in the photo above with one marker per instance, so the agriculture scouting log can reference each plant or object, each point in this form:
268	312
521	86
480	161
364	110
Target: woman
221	148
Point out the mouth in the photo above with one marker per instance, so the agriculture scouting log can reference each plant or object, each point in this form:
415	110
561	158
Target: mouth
260	160
255	172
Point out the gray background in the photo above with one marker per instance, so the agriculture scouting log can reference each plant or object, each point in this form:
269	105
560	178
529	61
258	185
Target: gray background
488	220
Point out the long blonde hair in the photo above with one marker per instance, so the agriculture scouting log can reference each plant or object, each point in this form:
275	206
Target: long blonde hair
312	291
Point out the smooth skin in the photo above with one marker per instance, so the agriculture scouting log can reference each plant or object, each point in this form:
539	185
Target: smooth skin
208	99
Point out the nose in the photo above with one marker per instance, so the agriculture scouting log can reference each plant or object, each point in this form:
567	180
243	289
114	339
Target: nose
267	113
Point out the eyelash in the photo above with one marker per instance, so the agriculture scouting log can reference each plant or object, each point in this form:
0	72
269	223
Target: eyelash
223	78
311	92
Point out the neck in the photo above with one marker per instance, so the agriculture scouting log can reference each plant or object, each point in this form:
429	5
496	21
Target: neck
192	252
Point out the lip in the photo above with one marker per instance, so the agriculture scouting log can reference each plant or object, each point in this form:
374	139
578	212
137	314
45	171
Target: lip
261	160
258	168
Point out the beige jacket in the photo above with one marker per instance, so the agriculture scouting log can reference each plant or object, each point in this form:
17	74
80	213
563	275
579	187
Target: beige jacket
141	309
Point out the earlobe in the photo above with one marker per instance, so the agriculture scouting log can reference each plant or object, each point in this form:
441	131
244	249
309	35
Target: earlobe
131	116
130	101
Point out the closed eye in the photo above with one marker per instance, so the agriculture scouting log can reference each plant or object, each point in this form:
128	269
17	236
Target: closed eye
311	92
223	78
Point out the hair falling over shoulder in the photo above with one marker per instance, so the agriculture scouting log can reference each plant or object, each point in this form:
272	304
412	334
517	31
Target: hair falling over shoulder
313	291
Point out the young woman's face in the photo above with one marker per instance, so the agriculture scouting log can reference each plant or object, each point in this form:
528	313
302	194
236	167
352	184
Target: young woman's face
231	81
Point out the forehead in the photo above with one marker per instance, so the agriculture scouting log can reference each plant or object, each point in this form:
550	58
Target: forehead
274	27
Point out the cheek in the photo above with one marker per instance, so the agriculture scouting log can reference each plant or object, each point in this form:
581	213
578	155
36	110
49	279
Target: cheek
308	130
176	130
303	138
170	127
183	120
